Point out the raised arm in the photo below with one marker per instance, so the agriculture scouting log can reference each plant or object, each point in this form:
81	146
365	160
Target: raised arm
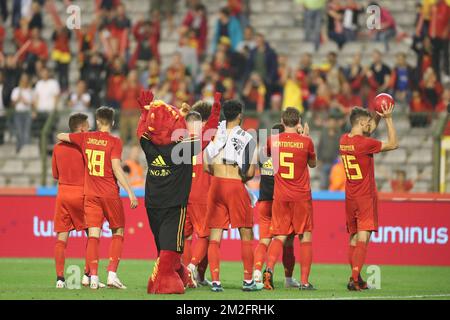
145	98
121	177
213	120
392	142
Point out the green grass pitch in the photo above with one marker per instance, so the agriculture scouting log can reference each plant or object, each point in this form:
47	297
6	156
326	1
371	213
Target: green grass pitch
35	279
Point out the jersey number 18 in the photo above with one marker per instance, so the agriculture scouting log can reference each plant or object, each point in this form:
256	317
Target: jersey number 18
96	162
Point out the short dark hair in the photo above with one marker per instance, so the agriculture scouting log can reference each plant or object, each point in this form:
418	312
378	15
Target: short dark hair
277	127
290	117
105	115
76	120
193	116
357	113
232	109
225	11
204	108
200	7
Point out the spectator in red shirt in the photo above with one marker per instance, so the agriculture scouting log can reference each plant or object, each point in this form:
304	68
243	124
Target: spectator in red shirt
22	34
129	113
346	99
147	38
115	80
400	184
439	33
34	49
197	21
444	104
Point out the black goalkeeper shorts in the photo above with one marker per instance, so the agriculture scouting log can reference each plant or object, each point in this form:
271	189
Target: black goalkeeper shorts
167	225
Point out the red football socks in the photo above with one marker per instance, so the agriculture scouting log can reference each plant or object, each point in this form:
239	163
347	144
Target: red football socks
260	256
288	261
115	252
214	259
305	260
92	255
359	256
187	254
275	250
351	250
60	259
199	252
247	258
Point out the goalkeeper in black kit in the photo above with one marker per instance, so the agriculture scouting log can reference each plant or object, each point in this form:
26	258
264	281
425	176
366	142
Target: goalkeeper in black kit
169	148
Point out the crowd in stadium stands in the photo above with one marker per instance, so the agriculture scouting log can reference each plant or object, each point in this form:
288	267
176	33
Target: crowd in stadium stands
239	62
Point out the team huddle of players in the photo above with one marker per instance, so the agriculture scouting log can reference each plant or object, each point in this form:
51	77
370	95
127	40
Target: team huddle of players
195	186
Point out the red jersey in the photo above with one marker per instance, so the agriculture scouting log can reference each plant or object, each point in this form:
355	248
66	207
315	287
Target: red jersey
290	154
200	182
68	164
357	157
99	148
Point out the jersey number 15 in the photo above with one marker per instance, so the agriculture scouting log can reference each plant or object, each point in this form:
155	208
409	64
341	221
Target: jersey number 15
96	162
349	164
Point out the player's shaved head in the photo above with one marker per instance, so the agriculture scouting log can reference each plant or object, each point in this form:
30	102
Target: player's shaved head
358	114
76	121
204	108
290	117
105	116
232	109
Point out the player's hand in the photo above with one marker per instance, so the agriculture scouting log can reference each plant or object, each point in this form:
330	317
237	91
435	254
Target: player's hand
387	111
133	202
305	131
145	98
184	110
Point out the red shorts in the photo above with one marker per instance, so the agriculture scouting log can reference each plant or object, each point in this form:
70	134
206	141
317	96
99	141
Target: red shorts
69	209
265	218
196	220
362	214
97	209
229	203
291	217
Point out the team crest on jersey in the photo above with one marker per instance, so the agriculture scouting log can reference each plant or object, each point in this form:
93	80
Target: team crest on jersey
159	162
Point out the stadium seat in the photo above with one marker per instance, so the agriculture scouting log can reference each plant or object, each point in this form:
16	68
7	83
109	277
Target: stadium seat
12	167
19	181
399	156
29	152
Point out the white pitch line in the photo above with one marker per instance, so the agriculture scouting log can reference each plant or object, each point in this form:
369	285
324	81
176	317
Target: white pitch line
379	297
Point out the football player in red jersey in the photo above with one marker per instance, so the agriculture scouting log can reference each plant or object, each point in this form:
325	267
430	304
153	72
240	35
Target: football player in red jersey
292	203
196	220
102	156
264	206
361	200
68	169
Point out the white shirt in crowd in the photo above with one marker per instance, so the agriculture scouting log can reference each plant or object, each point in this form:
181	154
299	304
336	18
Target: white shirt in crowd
23	99
46	92
80	103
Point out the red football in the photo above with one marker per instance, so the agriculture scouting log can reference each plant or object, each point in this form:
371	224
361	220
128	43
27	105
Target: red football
382	99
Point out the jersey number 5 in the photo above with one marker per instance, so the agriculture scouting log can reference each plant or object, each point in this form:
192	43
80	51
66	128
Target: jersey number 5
347	160
96	162
289	165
